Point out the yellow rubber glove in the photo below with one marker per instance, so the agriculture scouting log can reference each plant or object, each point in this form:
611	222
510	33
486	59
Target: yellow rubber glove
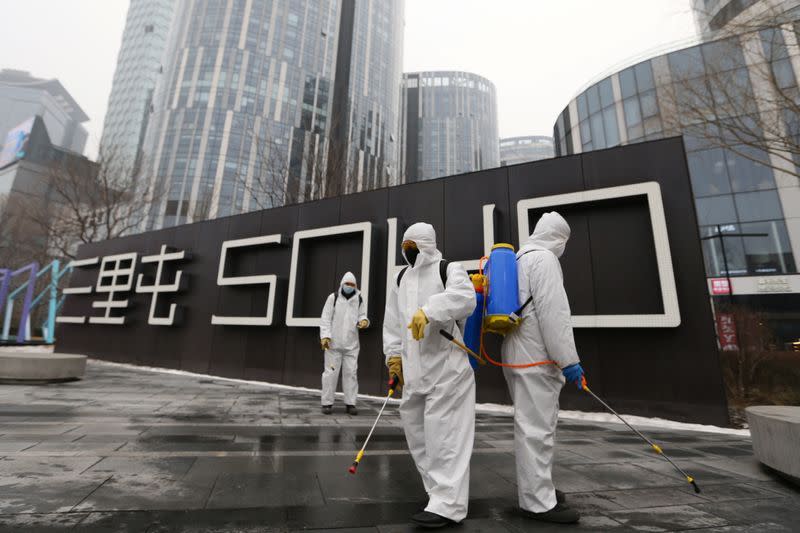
395	364
362	324
417	325
325	343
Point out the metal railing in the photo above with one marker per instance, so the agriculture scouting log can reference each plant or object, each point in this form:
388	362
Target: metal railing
29	300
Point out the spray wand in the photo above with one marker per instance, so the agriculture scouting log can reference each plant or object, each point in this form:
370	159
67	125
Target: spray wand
394	381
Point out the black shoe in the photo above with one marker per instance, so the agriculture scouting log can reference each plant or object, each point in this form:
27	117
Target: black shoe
327	409
351	410
560	497
560	514
431	520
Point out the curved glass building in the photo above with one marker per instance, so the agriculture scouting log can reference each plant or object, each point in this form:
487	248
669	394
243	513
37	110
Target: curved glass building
718	15
449	124
515	150
733	102
268	102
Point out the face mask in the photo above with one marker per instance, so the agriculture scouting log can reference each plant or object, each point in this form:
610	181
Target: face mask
411	255
347	290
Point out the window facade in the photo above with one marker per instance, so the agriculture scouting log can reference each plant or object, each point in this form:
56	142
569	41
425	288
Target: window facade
711	87
450	124
243	115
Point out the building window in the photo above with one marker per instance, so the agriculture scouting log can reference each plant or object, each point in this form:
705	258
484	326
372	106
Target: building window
716	210
583	112
751	255
593	98
686	64
148	28
627	82
644	76
770	254
708	171
610	125
729	262
761	205
746	171
172	208
606	93
633	118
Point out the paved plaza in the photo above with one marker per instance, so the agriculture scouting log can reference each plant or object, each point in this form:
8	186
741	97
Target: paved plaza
131	450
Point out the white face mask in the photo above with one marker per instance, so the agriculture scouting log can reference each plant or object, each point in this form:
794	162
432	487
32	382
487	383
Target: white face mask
348	290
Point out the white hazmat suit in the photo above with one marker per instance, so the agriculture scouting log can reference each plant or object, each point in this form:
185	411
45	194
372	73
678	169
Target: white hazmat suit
545	334
438	405
339	321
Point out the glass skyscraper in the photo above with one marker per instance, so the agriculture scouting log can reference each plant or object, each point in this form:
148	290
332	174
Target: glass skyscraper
138	68
371	53
268	102
449	124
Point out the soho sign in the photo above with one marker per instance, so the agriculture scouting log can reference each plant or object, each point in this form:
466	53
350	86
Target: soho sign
116	273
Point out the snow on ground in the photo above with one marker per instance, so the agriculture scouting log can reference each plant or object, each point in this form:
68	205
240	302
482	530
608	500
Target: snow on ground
608	418
486	408
43	348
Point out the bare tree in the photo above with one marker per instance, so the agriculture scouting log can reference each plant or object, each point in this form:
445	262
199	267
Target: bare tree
741	93
280	175
85	202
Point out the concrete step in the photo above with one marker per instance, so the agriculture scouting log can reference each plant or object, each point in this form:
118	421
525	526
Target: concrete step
27	366
776	437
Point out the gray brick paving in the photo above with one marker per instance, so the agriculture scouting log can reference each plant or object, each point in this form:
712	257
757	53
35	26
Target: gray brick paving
129	450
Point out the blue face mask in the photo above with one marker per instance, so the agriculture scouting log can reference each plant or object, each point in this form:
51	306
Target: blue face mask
347	290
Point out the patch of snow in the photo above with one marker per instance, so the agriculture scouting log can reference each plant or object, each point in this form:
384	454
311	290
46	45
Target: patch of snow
653	423
483	408
42	348
608	418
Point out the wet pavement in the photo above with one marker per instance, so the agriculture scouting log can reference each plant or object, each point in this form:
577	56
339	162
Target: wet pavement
130	450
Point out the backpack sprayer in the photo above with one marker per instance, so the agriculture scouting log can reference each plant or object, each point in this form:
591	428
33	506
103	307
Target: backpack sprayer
498	311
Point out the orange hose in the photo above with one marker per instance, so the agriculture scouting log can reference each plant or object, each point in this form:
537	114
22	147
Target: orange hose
507	365
483	349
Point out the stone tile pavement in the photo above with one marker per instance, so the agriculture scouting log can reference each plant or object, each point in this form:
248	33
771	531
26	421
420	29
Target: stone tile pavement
130	450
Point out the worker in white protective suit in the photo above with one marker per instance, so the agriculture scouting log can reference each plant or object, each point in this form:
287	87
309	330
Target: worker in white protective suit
343	315
545	333
438	405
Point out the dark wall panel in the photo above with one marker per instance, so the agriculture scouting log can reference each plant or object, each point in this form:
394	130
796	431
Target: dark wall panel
463	212
682	362
609	268
266	351
357	208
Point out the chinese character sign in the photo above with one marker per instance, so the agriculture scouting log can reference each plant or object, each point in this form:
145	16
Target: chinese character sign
720	286
159	286
726	330
116	276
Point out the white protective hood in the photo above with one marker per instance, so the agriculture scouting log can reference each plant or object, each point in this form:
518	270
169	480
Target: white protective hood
424	236
551	233
348	278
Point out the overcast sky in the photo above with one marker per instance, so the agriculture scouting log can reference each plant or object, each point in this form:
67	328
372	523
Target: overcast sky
538	53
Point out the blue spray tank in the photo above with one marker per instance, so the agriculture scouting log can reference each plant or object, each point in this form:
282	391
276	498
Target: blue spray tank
497	310
501	290
474	323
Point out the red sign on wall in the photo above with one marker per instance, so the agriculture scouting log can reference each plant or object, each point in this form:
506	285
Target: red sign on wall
726	331
720	286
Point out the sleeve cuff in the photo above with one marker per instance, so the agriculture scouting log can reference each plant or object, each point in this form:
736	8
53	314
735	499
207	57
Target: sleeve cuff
428	313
